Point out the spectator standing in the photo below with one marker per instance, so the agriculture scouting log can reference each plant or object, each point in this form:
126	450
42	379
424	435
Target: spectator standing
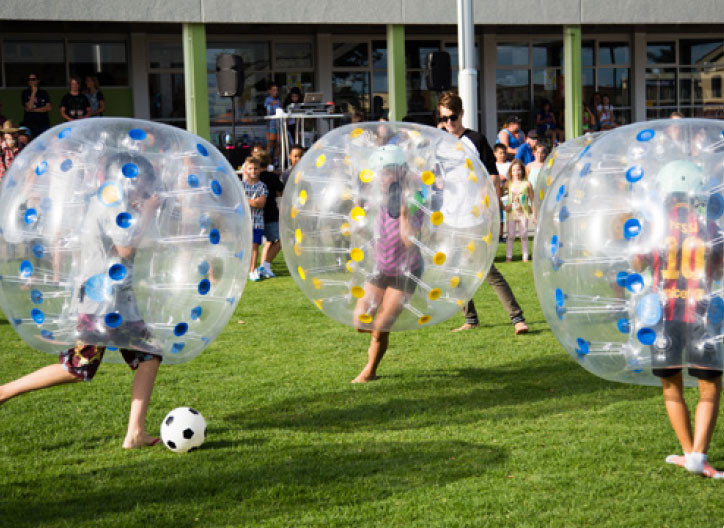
74	104
95	96
450	108
520	209
605	113
271	105
500	153
8	146
256	194
511	136
271	216
540	153
36	106
293	97
525	151
547	126
295	154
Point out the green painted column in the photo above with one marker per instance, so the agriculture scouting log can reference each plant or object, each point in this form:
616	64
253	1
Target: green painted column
195	81
573	81
396	73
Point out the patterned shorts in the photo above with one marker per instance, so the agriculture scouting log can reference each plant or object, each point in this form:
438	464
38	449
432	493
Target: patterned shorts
83	360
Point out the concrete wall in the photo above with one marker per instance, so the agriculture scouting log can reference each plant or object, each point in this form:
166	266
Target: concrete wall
536	12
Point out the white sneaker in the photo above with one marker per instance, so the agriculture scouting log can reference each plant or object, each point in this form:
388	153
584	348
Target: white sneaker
266	273
254	276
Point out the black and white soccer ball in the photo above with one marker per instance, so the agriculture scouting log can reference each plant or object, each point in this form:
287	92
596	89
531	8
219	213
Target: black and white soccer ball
183	429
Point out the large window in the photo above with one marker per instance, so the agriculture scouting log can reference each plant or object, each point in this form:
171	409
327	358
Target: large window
685	75
289	63
530	72
54	59
166	82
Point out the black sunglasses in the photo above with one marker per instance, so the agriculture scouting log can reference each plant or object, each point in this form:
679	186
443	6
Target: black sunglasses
32	78
451	117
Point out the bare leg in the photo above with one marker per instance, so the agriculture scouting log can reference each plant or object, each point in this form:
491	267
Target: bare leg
136	435
511	239
673	388
706	413
375	353
273	251
254	257
40	379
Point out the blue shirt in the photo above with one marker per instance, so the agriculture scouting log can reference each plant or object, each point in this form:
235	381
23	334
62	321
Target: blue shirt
525	153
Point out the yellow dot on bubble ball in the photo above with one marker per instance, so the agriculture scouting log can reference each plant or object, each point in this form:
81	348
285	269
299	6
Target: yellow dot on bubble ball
598	273
298	235
318	303
367	175
357	132
459	146
358	292
413	133
486	201
434	294
476	211
357	213
317	283
460	302
479	275
321	160
439	258
472	177
424	319
469	164
110	195
454	281
303	197
428	178
488	238
541	194
470	247
549	181
297	250
550	162
344	228
365	318
349	266
357	254
436	218
302	274
294	211
298	177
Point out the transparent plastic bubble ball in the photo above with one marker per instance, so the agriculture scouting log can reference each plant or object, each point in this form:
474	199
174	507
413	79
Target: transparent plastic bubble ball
628	256
556	162
125	234
389	226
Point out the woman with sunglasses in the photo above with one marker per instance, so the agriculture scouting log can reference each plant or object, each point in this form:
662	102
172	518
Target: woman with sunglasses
36	103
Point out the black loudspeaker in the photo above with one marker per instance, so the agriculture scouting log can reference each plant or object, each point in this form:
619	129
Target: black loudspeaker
438	73
229	75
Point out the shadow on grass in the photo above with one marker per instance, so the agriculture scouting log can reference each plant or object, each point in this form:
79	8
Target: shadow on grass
302	479
521	390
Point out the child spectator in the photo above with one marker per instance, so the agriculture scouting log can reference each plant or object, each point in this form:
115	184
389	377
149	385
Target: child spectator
271	105
525	151
605	113
520	208
295	154
9	148
36	103
74	104
271	216
256	194
501	156
540	152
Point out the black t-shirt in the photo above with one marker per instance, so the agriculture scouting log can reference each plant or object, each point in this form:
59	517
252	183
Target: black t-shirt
75	105
41	99
274	186
484	150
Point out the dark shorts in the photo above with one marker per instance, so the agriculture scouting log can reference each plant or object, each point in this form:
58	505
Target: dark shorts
256	235
682	336
271	231
83	360
397	282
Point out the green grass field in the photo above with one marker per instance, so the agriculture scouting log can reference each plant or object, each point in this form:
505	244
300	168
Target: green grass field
480	428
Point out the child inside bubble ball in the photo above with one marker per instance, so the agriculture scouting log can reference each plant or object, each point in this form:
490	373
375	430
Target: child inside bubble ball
683	271
108	313
398	261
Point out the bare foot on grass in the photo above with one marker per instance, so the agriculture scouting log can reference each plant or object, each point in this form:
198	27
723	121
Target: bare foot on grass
140	440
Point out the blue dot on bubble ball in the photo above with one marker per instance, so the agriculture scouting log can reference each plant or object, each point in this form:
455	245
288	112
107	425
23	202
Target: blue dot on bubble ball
64	133
196	313
123	220
113	320
216	187
193	181
137	133
66	165
37	315
204	286
180	329
42	168
202	150
130	170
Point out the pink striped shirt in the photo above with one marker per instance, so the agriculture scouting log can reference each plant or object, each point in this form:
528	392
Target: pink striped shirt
391	255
